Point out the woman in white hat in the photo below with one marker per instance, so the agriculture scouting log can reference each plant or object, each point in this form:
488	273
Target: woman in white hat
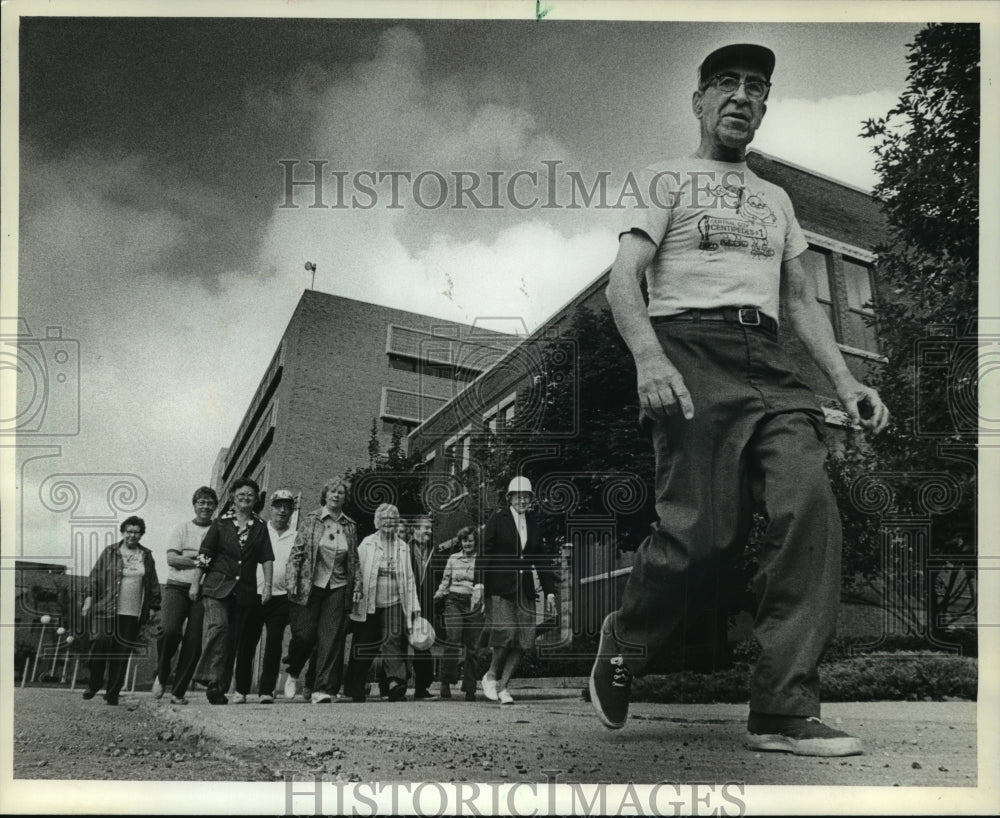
386	609
512	546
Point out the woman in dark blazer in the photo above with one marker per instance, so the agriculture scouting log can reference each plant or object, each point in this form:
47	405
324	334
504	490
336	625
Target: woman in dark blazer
124	591
512	546
236	543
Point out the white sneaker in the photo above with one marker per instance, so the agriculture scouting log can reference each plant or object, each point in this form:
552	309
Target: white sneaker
266	698
157	688
319	697
490	688
239	698
505	697
290	683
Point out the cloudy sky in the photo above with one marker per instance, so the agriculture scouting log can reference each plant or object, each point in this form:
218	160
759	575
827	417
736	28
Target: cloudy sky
152	229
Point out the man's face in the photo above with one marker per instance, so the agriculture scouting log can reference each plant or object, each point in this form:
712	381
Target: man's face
422	532
729	119
281	513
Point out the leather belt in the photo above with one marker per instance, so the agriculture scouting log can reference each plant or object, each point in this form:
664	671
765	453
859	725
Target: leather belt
747	316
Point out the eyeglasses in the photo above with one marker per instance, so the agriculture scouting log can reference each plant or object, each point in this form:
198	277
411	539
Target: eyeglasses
756	89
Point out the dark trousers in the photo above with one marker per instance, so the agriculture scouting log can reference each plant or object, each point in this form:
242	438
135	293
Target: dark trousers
225	620
463	628
383	631
112	640
754	441
271	617
320	624
182	622
422	662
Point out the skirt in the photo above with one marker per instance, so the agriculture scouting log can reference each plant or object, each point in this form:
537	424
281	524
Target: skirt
510	624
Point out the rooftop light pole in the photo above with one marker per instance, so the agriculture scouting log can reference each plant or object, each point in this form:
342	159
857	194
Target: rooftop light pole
311	268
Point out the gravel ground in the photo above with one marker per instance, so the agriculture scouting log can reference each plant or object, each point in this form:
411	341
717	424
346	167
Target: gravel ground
57	735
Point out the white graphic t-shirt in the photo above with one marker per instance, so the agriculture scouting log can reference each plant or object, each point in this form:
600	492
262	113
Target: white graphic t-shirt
721	232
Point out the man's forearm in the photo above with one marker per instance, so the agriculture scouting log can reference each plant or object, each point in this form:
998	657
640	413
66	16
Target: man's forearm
625	297
177	560
812	327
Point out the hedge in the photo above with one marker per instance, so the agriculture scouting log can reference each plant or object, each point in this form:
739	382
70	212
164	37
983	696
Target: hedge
892	677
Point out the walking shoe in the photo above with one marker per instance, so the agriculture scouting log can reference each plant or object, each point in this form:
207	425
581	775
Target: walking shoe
215	696
239	698
423	695
610	679
470	696
397	692
505	697
88	694
445	690
800	735
290	682
319	697
112	700
266	698
490	687
157	688
178	700
307	694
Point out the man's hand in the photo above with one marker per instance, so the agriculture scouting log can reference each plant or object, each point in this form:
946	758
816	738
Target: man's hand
863	404
86	606
477	599
661	387
550	605
265	596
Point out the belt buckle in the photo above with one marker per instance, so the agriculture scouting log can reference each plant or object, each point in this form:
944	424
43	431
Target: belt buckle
753	313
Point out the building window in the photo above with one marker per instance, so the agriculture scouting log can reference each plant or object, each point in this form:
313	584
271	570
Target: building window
815	262
458	452
847	315
450	455
859	314
501	416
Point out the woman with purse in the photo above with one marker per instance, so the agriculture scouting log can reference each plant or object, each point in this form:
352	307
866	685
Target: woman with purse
386	608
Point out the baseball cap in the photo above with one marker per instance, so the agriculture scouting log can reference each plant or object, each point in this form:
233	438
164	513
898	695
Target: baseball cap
737	54
282	495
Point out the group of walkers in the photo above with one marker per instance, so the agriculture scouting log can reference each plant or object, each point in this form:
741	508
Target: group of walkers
236	577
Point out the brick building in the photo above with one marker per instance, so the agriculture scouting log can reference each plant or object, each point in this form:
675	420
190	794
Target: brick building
340	365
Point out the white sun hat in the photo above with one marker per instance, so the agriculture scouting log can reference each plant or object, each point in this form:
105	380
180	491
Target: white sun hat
519	484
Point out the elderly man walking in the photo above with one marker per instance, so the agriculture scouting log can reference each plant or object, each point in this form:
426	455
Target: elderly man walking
732	426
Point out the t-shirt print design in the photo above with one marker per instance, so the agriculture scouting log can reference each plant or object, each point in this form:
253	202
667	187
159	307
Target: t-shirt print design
749	228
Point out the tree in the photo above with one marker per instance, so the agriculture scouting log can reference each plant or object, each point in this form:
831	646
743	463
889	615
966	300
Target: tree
927	150
392	477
